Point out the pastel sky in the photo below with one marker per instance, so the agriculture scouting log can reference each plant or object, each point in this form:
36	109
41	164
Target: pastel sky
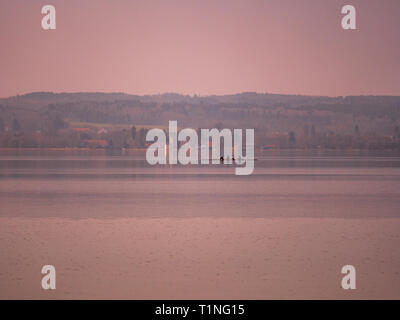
200	47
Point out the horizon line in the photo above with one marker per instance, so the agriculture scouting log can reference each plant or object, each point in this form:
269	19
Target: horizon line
194	95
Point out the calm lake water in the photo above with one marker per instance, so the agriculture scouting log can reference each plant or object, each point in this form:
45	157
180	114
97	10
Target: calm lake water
83	184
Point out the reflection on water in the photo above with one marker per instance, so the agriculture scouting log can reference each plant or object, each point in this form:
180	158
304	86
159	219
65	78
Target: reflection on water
82	183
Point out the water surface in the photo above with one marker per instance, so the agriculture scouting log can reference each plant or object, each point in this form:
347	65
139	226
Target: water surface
83	184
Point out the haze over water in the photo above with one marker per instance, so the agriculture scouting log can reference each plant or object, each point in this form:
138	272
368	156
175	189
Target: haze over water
68	184
115	227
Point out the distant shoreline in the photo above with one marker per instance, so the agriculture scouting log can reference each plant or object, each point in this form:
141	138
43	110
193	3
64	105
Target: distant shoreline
73	149
260	149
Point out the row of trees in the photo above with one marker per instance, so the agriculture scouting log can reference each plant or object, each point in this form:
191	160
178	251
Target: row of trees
69	137
57	133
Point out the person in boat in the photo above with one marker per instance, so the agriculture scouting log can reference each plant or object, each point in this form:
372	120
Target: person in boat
222	159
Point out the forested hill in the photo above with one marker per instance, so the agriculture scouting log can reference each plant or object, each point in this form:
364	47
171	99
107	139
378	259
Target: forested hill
280	120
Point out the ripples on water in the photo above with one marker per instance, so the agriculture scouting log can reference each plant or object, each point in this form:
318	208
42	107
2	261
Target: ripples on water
82	184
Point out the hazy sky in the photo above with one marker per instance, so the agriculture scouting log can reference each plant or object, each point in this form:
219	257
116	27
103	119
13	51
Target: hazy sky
200	46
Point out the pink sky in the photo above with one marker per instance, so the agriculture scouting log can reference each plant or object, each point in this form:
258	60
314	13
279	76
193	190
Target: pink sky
200	47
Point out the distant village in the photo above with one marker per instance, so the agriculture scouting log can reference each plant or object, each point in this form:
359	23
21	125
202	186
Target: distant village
125	137
73	137
118	121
